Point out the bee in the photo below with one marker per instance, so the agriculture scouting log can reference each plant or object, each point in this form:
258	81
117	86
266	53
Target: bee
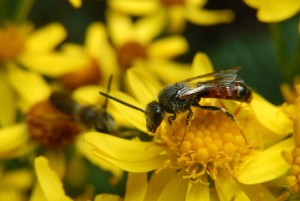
181	96
90	116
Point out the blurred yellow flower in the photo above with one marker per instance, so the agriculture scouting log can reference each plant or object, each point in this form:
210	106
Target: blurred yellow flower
14	184
35	50
76	3
189	160
43	125
274	11
176	12
137	40
100	64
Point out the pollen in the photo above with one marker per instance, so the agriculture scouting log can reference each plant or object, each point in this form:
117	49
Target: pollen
293	180
210	142
130	52
50	127
87	75
12	42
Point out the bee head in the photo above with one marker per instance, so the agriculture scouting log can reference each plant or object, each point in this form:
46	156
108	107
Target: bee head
154	115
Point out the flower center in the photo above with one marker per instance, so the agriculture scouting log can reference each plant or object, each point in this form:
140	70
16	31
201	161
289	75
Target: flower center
12	42
172	2
89	74
50	127
293	180
209	143
130	52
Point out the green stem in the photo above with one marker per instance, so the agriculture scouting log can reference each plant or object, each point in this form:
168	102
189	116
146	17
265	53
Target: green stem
23	10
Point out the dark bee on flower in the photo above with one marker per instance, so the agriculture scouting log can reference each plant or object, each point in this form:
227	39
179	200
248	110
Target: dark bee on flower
181	96
90	116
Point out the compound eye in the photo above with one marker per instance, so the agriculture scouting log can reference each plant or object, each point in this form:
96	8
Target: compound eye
154	115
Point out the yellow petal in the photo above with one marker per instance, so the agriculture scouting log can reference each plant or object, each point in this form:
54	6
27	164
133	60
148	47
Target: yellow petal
176	18
12	137
176	189
168	71
45	39
134	7
129	155
168	47
272	117
228	189
134	117
53	64
136	192
57	162
157	183
274	11
142	85
198	191
267	165
37	194
107	197
30	86
86	149
21	179
201	65
49	181
75	3
8	104
95	36
89	94
207	17
117	22
147	28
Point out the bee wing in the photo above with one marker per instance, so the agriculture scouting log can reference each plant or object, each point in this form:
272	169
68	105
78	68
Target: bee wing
220	78
215	74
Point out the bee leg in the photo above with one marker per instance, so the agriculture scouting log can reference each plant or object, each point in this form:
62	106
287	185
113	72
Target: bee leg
171	118
189	116
228	114
215	108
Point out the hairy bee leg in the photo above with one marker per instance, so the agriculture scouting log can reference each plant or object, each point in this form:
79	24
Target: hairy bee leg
189	116
171	118
226	112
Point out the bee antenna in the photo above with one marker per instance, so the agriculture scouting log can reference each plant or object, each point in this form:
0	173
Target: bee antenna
107	91
122	102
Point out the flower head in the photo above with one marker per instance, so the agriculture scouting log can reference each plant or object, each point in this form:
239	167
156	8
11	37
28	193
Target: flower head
210	150
176	12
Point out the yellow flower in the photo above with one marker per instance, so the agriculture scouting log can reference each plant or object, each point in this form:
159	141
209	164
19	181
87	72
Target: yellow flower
274	11
210	152
35	51
176	12
43	125
136	42
99	56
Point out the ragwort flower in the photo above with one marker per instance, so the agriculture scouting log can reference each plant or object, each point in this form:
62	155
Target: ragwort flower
34	50
274	11
207	159
176	12
45	126
137	40
99	56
